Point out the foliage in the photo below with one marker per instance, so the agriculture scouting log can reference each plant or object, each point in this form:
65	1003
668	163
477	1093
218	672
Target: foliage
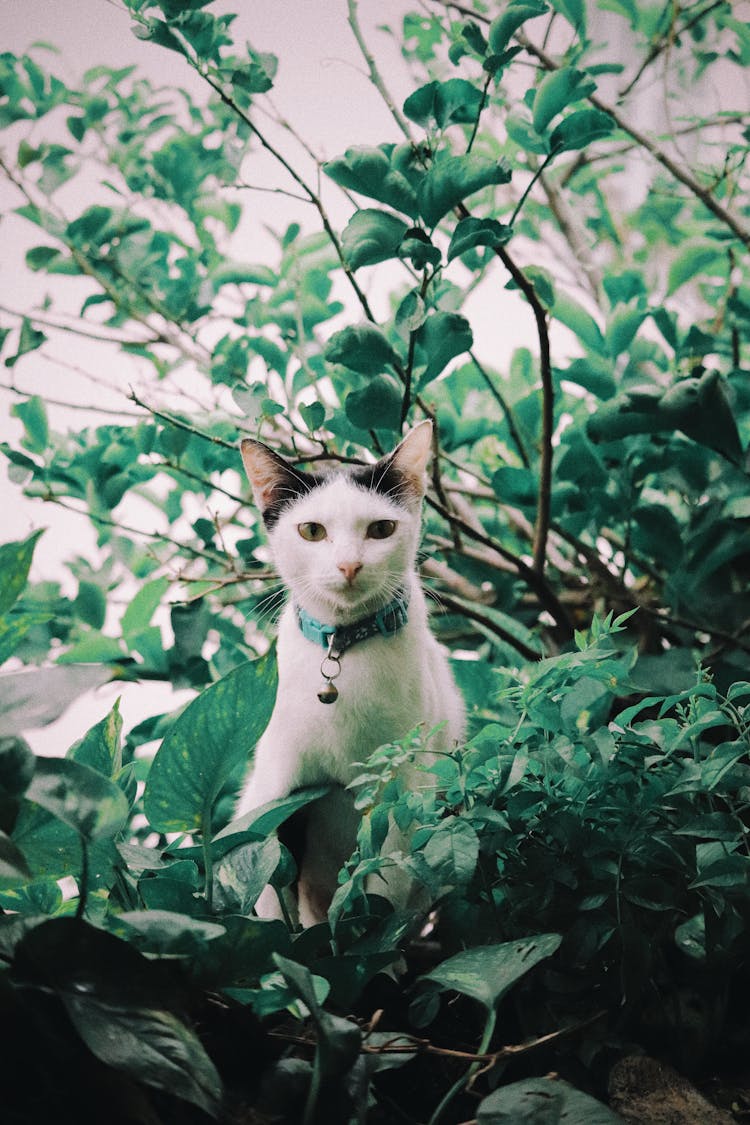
585	855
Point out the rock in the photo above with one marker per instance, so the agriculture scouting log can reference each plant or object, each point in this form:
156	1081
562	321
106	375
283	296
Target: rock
647	1092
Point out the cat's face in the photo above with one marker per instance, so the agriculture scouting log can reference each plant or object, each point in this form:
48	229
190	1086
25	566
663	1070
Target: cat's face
343	542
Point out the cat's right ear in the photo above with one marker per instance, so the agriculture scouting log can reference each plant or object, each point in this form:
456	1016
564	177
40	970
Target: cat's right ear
275	483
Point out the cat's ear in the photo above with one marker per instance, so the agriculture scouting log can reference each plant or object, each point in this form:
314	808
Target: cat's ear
275	483
411	456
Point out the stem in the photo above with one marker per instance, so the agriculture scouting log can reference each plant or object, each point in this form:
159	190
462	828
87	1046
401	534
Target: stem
207	857
506	409
550	156
482	104
375	76
83	883
541	527
313	1092
489	1028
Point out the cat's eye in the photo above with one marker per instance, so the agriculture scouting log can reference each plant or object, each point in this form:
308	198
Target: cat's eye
312	532
381	529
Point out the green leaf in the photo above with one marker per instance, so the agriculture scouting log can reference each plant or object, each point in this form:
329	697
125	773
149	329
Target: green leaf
243	873
33	414
90	604
313	415
13	867
488	972
557	90
575	13
504	27
593	374
153	1046
447	103
452	178
694	263
411	313
369	171
372	236
100	748
622	329
452	852
377	406
419	249
574	317
15	562
168	933
207	743
580	129
339	1040
266	818
543	1101
16	766
142	607
79	796
361	347
470	233
442	337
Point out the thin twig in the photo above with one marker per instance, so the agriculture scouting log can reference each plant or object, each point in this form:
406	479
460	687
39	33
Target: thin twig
375	76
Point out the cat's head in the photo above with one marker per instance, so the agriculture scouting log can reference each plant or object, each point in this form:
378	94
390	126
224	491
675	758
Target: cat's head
343	542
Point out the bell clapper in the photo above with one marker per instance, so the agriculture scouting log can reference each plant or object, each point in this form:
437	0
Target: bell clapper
329	670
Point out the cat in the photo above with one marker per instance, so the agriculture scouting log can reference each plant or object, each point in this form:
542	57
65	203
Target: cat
344	544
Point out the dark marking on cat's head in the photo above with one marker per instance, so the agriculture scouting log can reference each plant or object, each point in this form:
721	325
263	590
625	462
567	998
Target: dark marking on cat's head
400	474
385	478
275	482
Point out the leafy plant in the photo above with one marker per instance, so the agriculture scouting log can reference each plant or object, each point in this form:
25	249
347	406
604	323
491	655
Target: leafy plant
583	860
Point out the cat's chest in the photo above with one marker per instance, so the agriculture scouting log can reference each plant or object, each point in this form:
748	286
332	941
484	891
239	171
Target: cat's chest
378	698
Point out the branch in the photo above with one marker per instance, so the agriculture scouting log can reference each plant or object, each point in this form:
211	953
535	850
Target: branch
665	42
541	527
180	425
535	581
375	76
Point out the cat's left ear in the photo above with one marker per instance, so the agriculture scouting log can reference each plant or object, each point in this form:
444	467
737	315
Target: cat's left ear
411	456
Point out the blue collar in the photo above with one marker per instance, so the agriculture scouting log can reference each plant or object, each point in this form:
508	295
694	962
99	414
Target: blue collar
338	638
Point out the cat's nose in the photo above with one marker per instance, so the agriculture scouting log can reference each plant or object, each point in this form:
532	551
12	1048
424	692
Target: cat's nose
350	570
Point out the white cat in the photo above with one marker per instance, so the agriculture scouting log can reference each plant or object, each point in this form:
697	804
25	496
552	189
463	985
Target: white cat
345	546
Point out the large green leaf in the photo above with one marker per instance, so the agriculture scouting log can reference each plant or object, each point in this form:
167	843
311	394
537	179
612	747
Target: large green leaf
208	742
369	171
453	102
372	236
453	178
244	872
472	232
557	90
16	766
100	747
361	347
377	406
505	26
488	972
442	337
543	1101
78	796
580	129
15	560
120	1005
